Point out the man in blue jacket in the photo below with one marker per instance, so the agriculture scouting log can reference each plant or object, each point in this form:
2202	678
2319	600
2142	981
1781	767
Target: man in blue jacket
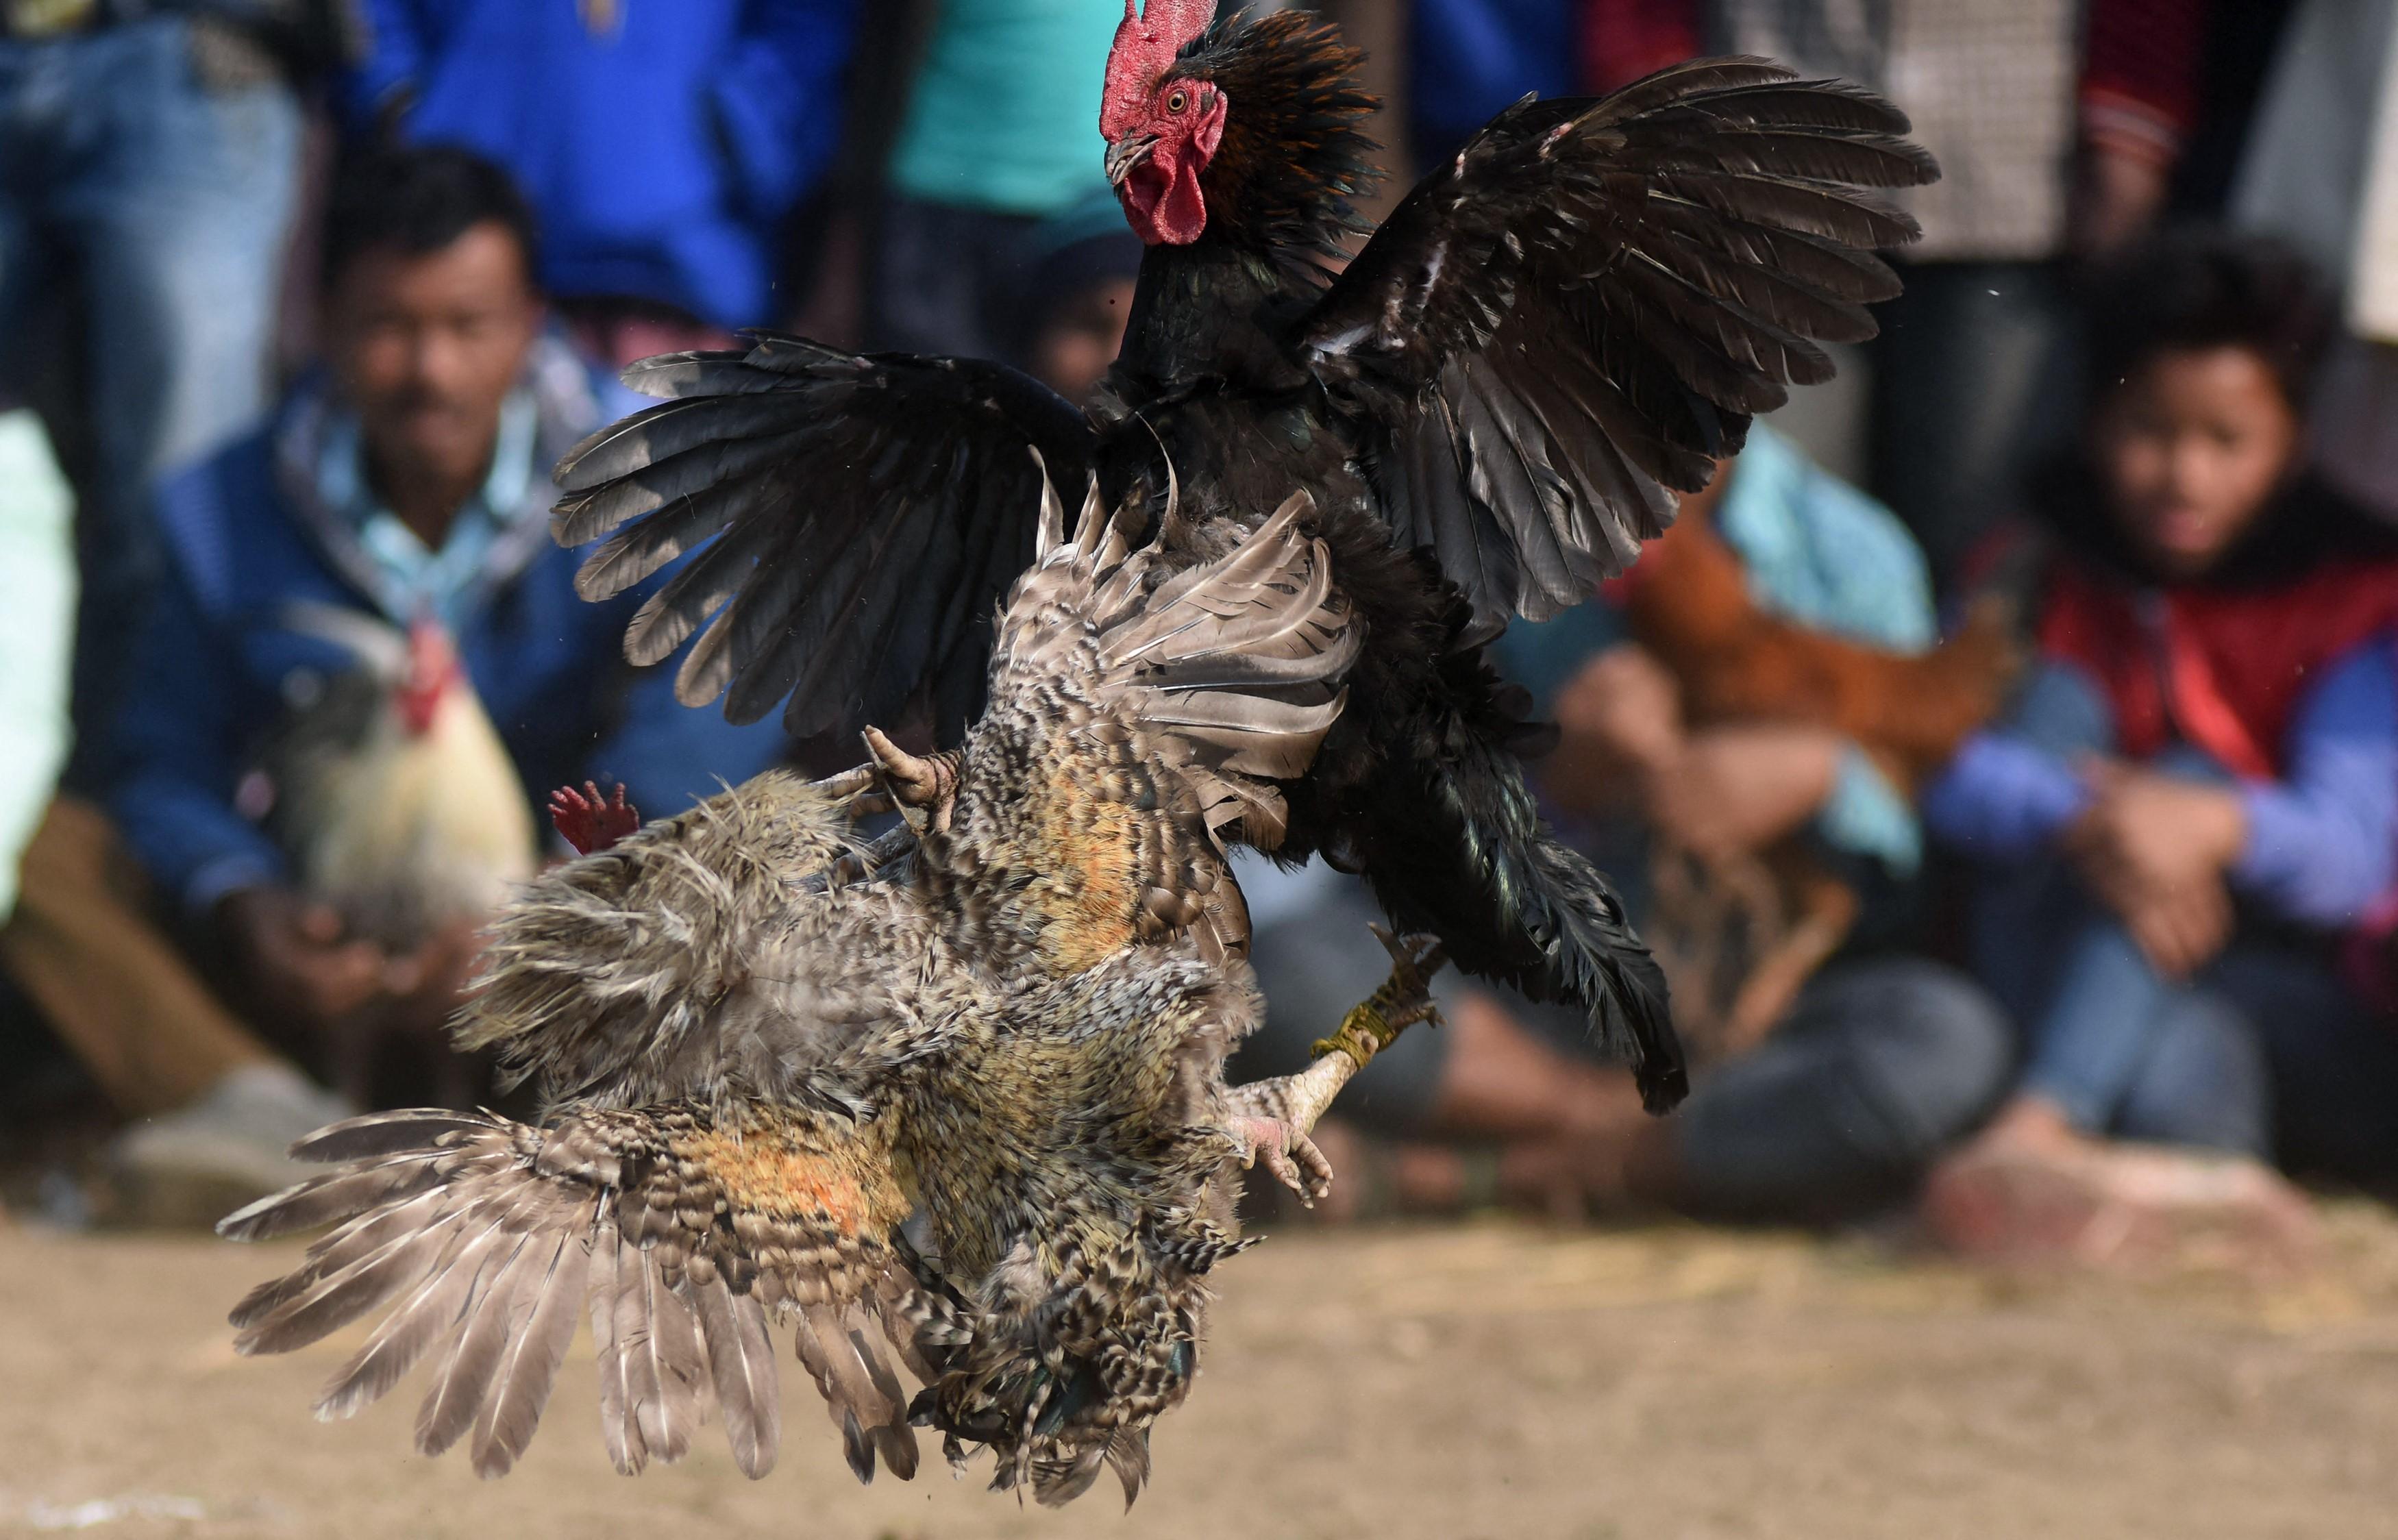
408	478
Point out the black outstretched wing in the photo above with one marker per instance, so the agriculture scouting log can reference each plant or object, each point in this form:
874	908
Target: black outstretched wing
1586	305
862	516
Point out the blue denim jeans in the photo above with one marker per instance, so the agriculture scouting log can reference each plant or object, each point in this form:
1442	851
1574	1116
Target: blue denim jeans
2266	1051
1882	1065
170	198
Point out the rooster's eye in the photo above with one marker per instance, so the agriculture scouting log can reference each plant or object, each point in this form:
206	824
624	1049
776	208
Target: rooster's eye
1178	101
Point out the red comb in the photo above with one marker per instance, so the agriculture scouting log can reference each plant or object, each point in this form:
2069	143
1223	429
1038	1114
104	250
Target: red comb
1145	45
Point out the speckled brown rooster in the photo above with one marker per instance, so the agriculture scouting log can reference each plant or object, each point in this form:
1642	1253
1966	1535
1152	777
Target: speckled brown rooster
949	1104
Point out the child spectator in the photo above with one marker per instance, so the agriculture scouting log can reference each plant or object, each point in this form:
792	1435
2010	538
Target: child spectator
2197	789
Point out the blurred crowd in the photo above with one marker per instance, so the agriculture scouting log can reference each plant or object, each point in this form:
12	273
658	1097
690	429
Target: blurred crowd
2002	754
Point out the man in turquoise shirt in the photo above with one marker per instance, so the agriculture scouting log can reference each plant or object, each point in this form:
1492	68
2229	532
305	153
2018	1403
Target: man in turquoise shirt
1000	138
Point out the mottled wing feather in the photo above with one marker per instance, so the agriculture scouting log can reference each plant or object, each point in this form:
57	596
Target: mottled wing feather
1137	720
864	1398
676	1234
857	520
679	958
1572	318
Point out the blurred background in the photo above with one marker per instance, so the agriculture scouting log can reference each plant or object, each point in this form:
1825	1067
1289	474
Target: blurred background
2002	754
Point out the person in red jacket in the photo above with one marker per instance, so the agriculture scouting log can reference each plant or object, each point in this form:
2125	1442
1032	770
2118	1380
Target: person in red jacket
2197	790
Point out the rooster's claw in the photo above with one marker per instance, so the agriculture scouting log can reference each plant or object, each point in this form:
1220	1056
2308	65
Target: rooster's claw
590	821
1287	1152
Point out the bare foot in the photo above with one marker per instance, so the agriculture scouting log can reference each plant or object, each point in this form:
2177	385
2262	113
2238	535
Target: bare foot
1611	1158
1624	1175
1502	1083
2032	1191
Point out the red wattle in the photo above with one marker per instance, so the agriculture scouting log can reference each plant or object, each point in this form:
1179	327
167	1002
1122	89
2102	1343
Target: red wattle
1183	215
1164	205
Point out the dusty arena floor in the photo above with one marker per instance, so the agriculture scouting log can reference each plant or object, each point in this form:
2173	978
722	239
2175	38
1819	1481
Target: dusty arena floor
1484	1380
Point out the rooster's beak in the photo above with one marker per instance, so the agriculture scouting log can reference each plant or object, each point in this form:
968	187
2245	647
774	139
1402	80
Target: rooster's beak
1125	154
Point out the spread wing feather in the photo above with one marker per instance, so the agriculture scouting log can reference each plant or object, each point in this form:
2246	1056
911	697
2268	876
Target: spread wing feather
857	519
741	1361
633	975
540	1325
1235	662
682	1195
1580	312
511	1232
1155	706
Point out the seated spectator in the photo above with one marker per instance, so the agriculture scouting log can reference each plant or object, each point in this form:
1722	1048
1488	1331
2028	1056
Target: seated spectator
663	146
1869	1066
404	488
2196	791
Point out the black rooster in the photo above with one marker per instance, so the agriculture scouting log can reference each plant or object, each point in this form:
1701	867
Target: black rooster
1491	405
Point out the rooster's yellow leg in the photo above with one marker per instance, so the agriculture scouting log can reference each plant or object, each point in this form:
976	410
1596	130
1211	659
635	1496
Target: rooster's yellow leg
1270	1119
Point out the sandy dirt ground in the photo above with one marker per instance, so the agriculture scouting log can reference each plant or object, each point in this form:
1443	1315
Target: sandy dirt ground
1479	1380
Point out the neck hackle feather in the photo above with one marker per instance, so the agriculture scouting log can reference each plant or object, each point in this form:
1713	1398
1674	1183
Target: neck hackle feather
1295	156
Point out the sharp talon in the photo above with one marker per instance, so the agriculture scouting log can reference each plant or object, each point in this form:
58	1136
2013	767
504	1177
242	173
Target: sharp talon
849	782
1402	1000
922	788
916	782
1290	1156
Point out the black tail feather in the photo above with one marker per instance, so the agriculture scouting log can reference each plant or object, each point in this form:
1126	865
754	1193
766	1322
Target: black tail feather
1459	850
1598	961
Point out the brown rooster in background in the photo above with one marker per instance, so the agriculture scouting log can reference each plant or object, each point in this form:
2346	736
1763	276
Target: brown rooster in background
950	1103
1738	935
1692	609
